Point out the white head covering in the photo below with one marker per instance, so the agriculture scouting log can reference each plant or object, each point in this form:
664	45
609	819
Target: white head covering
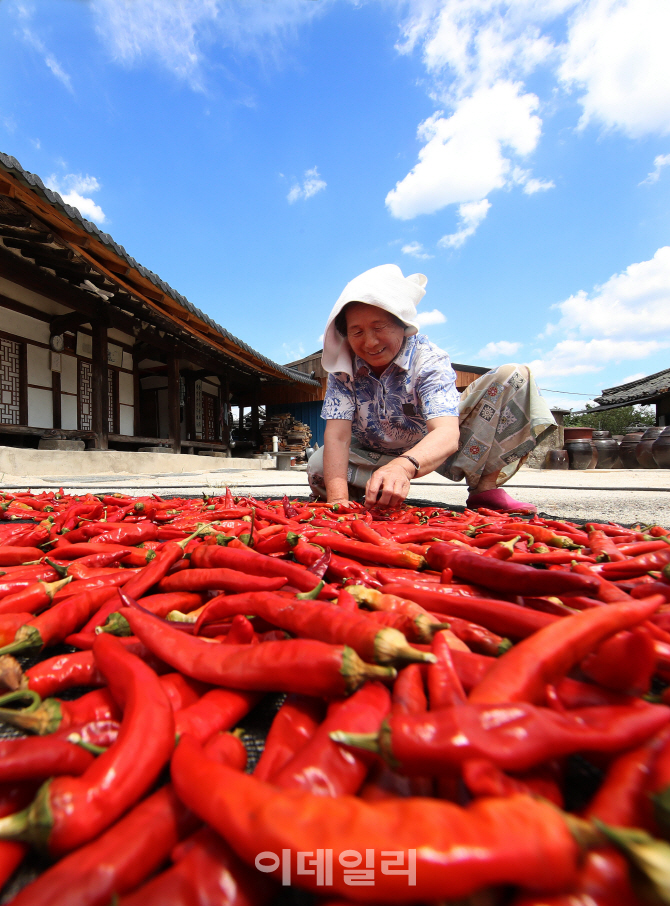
383	286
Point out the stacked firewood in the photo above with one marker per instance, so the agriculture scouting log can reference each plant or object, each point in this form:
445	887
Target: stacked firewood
293	435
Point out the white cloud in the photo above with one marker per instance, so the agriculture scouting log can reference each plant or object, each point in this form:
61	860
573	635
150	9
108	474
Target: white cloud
177	35
70	188
495	351
572	357
634	304
627	317
660	161
463	157
292	353
416	250
470	214
617	53
29	36
426	318
633	377
311	184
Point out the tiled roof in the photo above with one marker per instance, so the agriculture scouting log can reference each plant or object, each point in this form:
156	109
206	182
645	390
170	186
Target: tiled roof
643	389
11	165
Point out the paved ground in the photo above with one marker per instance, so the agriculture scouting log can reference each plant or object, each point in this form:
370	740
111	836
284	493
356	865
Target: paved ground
626	496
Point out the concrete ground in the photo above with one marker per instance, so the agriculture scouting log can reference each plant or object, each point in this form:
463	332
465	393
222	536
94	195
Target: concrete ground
625	496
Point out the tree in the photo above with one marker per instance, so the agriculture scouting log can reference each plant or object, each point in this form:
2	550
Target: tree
613	420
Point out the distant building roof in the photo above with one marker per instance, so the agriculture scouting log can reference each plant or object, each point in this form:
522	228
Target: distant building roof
11	166
643	390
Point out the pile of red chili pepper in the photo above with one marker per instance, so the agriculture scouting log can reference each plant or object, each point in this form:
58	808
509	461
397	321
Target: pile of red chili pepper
443	673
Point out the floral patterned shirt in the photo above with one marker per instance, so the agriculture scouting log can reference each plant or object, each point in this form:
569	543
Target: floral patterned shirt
389	413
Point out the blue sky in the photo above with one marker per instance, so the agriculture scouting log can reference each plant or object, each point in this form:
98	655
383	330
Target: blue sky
258	154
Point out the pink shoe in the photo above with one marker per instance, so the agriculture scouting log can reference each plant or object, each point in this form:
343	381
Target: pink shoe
497	499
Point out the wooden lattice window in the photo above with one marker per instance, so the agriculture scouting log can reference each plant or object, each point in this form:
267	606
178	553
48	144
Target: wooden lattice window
10	382
85	396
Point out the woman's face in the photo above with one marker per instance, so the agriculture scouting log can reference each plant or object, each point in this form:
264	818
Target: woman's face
374	335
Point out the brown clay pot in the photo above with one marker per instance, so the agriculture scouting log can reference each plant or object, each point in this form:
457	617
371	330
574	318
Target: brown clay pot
661	449
578	433
557	459
580	453
608	451
598	435
627	450
643	450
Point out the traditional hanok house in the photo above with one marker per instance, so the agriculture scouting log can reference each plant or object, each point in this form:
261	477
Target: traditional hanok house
653	389
304	403
94	346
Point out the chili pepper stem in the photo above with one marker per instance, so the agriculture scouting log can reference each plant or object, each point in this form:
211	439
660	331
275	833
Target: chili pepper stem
649	856
367	741
11	674
115	625
661	804
26	637
311	595
392	647
41	719
76	739
32	824
61	570
356	672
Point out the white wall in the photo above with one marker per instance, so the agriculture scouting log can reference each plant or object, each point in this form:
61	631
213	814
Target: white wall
126	420
25	327
40	408
39	365
68	412
28	297
126	388
68	374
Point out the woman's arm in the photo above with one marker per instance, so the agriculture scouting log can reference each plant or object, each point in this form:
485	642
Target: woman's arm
389	485
337	441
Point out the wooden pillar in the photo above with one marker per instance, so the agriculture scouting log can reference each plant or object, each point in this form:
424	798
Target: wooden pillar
189	414
225	394
174	419
99	380
55	394
255	425
137	416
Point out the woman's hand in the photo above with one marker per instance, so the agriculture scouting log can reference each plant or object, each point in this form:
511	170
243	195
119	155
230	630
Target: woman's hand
336	459
389	484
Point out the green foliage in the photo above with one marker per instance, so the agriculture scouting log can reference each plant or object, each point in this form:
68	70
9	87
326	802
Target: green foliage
613	420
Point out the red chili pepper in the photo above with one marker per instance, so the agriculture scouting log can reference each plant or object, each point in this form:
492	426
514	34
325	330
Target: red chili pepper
386	555
34	597
312	620
502	617
324	768
643	547
209	872
36	759
525	670
230	580
117	861
297	665
68	812
162	605
505	576
444	686
637	566
458	851
76	551
16	556
217	710
255	564
514	737
54	675
53	715
293	726
625	662
541	533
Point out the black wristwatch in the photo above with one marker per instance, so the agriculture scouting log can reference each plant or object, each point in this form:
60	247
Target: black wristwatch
413	461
